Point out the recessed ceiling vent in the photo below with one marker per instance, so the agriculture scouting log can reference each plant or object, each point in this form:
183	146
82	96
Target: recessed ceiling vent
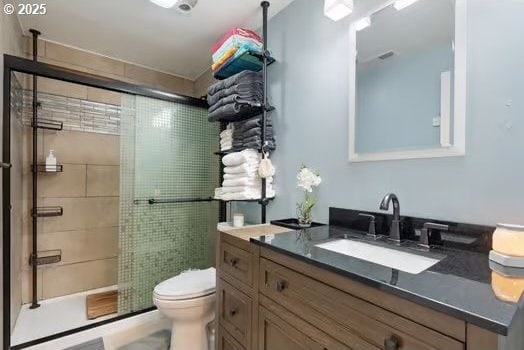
186	6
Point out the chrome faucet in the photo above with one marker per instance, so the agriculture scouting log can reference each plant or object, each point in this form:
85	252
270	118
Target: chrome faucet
394	230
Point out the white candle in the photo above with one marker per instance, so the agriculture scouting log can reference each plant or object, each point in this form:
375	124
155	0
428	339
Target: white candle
238	220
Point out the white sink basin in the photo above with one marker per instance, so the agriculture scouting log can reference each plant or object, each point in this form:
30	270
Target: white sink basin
394	259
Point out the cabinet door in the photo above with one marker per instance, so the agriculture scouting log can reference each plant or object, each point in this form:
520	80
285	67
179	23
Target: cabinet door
226	341
274	334
235	312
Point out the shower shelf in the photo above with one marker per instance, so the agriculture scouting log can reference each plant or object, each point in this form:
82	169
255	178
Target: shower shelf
252	62
48	124
43	168
45	212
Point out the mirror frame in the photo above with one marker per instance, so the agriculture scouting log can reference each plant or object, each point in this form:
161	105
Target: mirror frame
458	148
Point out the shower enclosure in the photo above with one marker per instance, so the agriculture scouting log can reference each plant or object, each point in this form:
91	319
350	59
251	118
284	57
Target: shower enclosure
127	206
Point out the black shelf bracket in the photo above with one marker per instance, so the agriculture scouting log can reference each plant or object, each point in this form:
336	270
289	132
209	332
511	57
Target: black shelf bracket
46	212
47	124
43	168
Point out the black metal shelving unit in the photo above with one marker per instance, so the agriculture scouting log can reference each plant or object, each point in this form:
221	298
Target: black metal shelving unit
266	60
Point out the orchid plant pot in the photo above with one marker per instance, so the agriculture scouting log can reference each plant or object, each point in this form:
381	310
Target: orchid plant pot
307	179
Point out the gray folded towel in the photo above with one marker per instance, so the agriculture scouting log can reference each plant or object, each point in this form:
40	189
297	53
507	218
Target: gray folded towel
231	111
256	138
251	100
243	89
242	77
253	123
257	131
256	145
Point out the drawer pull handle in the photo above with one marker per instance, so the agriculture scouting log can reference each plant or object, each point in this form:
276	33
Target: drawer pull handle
233	312
281	285
233	262
391	343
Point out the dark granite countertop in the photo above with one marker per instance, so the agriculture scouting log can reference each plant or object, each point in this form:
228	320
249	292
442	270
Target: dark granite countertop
458	285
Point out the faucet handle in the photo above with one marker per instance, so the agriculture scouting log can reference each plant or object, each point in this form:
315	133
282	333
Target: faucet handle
372	221
427	232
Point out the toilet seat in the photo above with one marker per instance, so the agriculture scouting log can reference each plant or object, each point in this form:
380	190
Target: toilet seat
190	284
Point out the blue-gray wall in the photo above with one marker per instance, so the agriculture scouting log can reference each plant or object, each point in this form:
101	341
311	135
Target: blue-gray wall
309	87
400	96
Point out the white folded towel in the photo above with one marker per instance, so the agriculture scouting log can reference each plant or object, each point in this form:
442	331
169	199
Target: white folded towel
248	156
247	194
247	176
227	132
251	174
241	169
241	181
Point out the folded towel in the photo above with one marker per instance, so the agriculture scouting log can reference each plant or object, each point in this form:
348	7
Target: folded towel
243	181
247	194
228	131
239	32
240	78
248	156
257	131
237	41
232	111
255	189
244	90
241	169
235	98
224	58
255	139
270	145
249	174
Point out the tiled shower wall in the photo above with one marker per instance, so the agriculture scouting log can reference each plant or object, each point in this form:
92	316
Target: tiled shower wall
87	189
73	142
167	153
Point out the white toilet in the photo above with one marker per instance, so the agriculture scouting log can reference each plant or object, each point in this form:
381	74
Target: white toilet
188	300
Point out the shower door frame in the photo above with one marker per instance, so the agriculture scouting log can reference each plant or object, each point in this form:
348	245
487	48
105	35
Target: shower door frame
17	64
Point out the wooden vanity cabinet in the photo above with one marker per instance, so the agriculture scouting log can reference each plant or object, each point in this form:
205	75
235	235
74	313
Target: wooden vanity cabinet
269	301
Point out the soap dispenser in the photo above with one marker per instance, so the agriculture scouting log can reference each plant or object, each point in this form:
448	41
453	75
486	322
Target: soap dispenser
50	162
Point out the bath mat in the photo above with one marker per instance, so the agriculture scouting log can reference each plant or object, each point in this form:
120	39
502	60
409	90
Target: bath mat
96	344
156	341
101	304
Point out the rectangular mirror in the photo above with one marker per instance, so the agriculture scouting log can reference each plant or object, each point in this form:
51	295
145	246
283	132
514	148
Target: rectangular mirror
408	81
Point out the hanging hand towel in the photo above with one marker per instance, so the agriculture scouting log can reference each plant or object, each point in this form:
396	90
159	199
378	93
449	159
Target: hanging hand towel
266	169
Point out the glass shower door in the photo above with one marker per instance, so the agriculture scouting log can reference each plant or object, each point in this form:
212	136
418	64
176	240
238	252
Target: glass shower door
168	174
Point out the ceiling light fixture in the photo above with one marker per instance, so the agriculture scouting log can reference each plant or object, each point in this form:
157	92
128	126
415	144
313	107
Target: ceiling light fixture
337	9
185	6
362	23
164	3
401	4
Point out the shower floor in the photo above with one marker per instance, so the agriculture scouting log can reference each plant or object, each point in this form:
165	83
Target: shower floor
54	316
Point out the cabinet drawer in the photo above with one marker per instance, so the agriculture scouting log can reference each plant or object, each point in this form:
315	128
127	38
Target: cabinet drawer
226	341
288	332
331	309
236	263
235	312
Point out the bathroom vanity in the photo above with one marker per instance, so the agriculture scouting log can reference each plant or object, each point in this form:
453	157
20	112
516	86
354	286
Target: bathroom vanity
282	289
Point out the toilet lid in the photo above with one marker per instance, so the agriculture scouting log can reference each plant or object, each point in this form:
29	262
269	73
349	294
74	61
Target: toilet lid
187	285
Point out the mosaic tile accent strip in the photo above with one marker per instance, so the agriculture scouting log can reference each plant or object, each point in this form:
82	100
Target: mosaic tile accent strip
76	114
166	153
